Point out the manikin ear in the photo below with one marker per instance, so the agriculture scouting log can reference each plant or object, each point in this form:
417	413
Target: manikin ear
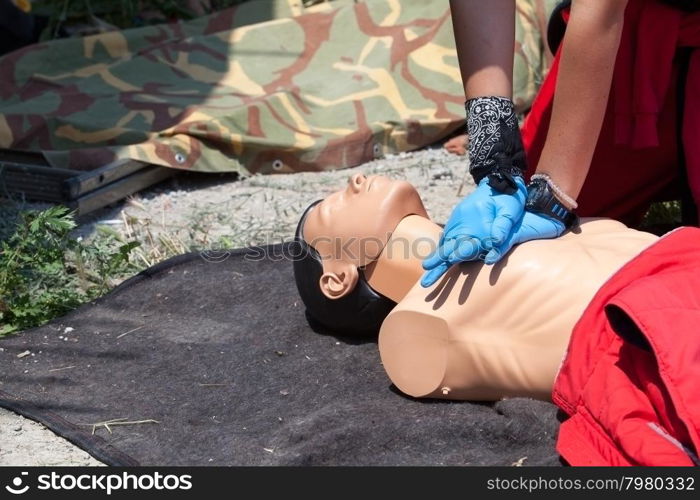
339	279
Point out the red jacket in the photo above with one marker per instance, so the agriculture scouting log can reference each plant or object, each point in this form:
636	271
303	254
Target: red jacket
636	158
630	378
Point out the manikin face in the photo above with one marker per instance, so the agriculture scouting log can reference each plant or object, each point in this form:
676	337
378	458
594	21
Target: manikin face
350	228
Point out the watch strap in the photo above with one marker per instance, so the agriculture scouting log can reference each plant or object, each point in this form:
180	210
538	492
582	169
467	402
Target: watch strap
541	199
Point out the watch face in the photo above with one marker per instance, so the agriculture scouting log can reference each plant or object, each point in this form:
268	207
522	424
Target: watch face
536	193
540	199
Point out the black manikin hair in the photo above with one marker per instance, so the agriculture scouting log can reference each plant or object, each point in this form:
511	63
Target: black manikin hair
359	313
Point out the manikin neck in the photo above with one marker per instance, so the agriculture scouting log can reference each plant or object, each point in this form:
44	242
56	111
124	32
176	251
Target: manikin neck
398	267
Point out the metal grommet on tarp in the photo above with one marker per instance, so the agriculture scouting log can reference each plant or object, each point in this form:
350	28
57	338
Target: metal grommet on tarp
377	150
277	165
180	158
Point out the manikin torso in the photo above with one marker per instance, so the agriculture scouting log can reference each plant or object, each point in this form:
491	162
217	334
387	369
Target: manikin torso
487	332
481	332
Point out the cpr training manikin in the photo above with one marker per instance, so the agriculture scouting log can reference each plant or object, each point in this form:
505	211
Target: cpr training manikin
479	333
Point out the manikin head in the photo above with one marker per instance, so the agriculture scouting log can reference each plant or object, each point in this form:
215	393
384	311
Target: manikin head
338	237
351	227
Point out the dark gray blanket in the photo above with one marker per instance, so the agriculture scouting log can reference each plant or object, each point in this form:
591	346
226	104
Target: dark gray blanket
221	356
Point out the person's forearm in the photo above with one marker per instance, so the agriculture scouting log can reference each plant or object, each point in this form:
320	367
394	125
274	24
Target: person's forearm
485	40
589	50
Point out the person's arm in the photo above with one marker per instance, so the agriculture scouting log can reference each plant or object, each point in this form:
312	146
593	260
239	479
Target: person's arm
484	38
589	50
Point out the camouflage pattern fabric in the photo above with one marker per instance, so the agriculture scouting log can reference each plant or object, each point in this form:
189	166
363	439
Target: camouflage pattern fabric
267	86
532	55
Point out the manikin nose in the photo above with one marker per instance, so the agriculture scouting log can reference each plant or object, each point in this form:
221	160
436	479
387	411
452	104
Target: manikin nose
356	182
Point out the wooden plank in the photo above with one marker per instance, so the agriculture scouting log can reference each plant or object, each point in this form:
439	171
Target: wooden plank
33	181
24	157
40	189
78	182
94	179
28	174
59	185
63	173
120	189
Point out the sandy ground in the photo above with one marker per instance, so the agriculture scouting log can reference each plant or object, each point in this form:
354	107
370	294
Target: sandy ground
205	211
24	442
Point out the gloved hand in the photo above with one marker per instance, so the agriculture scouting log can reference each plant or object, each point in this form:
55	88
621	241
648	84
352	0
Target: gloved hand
533	226
481	222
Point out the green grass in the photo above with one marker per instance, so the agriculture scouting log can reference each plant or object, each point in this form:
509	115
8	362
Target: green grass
45	272
662	217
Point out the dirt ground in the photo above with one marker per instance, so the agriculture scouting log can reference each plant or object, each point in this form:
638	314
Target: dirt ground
208	211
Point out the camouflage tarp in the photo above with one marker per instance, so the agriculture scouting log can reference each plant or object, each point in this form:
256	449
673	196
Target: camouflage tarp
268	86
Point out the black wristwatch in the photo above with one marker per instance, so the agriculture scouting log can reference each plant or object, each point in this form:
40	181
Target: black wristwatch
541	199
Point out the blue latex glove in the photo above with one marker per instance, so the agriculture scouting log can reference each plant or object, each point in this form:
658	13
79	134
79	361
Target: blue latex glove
481	222
533	226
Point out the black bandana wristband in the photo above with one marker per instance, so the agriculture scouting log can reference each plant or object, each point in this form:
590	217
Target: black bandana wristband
495	146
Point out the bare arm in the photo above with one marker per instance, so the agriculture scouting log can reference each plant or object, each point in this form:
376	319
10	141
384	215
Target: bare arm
588	56
485	37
